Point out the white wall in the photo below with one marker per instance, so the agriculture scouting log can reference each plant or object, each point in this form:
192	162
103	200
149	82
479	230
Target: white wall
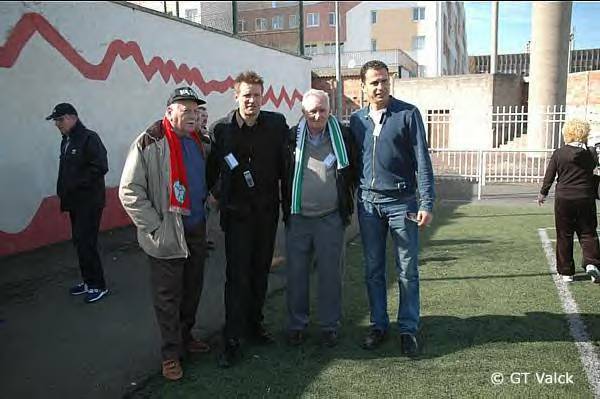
469	99
118	105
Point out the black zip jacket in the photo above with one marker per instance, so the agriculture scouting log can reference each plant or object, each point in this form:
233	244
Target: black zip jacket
81	170
346	178
258	150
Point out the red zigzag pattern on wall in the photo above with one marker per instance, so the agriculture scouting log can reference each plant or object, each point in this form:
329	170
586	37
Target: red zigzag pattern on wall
33	22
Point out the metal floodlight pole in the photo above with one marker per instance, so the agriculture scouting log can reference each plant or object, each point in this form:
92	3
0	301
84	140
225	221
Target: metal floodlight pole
494	52
234	17
301	28
338	69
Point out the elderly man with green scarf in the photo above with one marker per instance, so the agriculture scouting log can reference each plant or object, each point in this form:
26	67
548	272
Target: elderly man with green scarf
317	204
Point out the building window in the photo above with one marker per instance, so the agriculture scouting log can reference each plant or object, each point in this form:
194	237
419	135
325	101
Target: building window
312	19
418	42
191	14
373	16
260	24
277	22
418	13
329	48
331	19
421	71
373	45
242	25
310	49
293	21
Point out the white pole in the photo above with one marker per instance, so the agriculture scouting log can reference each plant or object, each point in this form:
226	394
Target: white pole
494	52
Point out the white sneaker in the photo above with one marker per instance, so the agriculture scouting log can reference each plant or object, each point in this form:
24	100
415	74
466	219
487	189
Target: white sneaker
567	279
593	272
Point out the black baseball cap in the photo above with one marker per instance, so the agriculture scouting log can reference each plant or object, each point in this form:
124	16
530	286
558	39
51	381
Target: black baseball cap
62	109
184	93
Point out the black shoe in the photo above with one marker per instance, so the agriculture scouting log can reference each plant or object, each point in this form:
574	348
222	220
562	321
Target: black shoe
329	338
261	336
230	354
296	337
409	345
373	339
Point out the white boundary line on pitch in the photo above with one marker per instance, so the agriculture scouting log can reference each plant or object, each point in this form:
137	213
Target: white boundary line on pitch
587	352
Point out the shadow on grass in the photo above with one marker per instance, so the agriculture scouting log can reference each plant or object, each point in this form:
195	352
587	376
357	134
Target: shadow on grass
282	371
289	372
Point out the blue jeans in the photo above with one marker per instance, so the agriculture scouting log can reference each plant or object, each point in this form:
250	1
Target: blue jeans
376	216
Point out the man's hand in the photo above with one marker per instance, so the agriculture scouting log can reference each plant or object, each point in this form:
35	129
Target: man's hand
540	199
212	201
424	218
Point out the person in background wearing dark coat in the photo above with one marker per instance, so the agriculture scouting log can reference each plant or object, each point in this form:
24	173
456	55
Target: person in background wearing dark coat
80	187
575	201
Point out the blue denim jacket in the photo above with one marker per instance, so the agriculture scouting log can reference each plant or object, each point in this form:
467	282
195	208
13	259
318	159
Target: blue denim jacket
394	162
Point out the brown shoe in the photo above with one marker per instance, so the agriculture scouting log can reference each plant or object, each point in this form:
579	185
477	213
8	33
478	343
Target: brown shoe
171	370
197	346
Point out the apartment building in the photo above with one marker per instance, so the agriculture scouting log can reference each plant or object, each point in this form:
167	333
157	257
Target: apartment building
432	33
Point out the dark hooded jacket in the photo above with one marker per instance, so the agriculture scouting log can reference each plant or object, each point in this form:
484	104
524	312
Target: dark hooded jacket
83	164
575	169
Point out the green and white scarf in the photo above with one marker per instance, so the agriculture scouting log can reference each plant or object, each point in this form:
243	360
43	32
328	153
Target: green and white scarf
339	150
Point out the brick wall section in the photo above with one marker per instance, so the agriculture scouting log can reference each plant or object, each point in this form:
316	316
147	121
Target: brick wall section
583	88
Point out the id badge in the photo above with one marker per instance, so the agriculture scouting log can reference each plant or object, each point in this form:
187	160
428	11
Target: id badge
377	130
231	161
329	161
249	179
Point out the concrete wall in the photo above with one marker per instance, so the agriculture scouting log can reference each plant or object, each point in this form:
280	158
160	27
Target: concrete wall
118	71
469	113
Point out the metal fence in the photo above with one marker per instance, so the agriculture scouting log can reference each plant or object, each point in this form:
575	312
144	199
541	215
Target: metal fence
513	155
581	61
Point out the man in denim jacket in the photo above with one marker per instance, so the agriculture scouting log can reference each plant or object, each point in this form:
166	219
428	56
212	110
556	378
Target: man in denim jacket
393	162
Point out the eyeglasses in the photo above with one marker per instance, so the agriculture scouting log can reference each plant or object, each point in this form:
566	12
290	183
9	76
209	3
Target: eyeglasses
59	119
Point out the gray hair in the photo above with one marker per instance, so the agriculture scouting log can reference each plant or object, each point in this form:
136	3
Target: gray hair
315	93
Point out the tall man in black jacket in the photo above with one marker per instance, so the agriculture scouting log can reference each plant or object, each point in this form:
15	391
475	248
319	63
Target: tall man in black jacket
247	161
80	187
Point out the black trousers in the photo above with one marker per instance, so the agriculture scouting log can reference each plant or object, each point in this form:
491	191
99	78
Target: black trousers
249	244
575	216
85	224
176	286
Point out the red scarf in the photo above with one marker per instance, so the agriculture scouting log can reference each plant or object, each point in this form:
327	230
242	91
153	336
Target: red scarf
179	200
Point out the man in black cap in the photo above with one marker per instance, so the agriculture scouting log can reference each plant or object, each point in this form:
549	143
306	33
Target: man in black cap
163	189
80	187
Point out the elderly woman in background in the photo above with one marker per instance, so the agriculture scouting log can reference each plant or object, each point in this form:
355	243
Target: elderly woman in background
575	201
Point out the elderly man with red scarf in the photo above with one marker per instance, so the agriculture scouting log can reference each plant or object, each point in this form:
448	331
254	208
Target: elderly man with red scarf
163	189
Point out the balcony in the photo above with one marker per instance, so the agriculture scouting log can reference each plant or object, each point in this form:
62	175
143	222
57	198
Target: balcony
355	59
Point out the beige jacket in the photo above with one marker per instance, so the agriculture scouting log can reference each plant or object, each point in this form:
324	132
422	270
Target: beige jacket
144	193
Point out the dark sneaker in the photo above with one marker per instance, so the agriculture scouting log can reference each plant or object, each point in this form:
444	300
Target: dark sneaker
78	289
593	273
296	337
230	354
261	336
95	294
329	338
409	345
373	339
